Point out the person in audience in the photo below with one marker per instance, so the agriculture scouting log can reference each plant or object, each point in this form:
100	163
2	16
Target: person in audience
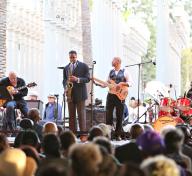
173	141
27	137
106	130
130	152
160	165
108	166
131	169
67	139
4	144
53	167
60	129
85	159
31	167
50	127
51	146
30	137
33	95
31	152
151	144
12	162
186	148
53	110
94	132
34	115
26	124
104	142
135	131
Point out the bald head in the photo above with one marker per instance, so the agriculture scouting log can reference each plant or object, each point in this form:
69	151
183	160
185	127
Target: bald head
116	62
13	78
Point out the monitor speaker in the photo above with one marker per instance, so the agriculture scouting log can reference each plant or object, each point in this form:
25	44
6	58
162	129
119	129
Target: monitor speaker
35	104
99	116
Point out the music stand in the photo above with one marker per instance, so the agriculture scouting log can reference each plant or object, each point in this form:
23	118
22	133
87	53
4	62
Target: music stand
4	95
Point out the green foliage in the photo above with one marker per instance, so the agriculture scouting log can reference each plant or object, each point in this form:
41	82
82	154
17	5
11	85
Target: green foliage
186	69
144	8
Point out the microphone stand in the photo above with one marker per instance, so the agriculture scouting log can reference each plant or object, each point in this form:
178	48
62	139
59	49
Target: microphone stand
64	107
91	93
145	113
139	75
57	107
64	101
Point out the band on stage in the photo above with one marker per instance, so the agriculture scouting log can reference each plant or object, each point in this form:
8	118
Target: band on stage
160	109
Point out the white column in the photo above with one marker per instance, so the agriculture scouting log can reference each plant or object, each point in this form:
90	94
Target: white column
162	60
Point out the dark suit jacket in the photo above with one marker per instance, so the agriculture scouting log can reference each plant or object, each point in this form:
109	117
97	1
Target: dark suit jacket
79	90
20	82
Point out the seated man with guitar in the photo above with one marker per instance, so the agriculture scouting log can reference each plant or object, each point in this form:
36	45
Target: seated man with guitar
17	90
118	82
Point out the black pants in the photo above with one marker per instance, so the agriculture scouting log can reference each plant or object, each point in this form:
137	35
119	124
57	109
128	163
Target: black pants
114	102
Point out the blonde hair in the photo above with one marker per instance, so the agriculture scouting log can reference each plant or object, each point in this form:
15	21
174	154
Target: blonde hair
85	153
12	162
160	166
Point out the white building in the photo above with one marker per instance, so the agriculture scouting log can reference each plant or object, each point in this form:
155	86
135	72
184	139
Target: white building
41	33
172	36
112	36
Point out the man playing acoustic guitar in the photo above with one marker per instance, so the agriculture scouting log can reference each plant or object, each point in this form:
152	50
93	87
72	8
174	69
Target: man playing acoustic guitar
121	80
11	83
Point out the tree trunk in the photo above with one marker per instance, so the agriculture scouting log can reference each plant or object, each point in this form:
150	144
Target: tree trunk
86	37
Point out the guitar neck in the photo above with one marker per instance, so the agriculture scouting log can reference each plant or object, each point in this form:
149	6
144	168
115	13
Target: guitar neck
102	82
20	88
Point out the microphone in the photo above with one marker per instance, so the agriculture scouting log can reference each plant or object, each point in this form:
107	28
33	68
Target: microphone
61	67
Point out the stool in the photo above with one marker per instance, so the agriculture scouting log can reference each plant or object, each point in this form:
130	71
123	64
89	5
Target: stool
4	119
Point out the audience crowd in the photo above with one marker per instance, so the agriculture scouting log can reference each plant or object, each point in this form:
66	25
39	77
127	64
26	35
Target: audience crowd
49	151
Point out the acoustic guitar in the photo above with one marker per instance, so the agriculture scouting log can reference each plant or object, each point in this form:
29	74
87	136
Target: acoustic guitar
120	91
11	88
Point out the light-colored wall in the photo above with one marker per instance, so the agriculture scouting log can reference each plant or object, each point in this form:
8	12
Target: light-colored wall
172	37
40	41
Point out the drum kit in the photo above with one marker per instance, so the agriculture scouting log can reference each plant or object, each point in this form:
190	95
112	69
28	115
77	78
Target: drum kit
171	112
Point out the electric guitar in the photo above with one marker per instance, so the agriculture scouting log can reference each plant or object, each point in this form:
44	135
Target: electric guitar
11	88
120	91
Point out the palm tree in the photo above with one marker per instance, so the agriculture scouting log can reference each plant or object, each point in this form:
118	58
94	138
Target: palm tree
3	5
86	35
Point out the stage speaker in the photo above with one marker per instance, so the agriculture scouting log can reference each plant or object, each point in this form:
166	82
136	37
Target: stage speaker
99	116
35	104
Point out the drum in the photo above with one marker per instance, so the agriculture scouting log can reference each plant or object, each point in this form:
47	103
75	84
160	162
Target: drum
167	104
183	104
188	112
163	121
187	116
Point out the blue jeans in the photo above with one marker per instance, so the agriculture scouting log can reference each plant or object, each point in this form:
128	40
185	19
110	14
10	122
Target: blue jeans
10	112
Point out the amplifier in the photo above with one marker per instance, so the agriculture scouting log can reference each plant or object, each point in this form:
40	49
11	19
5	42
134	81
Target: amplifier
99	116
35	104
